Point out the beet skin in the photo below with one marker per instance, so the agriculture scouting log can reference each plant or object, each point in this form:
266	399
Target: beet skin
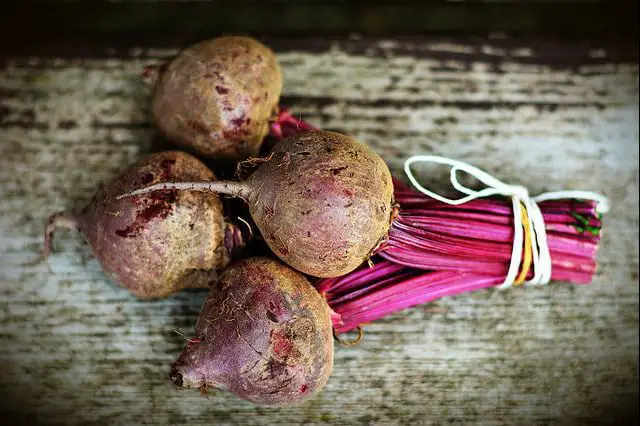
322	202
158	243
217	97
263	334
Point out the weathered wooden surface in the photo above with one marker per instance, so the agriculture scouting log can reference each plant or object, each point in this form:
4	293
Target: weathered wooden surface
78	350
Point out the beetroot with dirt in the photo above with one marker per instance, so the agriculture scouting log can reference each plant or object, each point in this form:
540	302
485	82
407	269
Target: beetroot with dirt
158	243
264	334
217	97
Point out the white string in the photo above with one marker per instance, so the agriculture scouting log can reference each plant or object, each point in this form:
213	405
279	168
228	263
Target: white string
519	196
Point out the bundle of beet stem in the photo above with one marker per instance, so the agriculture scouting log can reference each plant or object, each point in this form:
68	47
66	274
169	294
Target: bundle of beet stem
436	249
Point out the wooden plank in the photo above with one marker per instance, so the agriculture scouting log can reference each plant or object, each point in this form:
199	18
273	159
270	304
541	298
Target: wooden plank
492	49
77	350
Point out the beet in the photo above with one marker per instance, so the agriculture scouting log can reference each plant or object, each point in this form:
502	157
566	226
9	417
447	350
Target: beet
264	334
159	243
323	201
217	96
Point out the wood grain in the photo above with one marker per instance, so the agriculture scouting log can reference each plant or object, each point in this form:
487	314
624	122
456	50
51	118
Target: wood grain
77	350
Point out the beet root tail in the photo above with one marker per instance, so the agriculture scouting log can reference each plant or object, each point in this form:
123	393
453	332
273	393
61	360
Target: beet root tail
56	221
235	189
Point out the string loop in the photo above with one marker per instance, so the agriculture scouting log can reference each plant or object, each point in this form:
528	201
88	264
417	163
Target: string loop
520	199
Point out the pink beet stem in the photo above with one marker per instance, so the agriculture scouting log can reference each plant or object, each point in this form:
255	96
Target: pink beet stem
401	236
346	296
477	236
356	278
287	125
58	220
402	291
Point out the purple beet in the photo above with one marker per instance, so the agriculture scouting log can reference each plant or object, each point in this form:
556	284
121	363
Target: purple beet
159	243
217	97
323	201
263	334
